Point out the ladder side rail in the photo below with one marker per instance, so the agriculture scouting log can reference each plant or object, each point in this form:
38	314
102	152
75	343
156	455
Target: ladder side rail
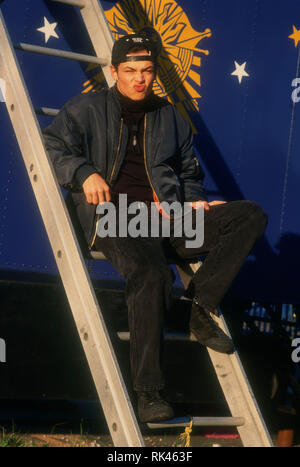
100	34
83	302
79	3
234	383
239	396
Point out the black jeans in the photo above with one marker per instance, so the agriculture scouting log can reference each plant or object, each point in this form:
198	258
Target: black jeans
230	231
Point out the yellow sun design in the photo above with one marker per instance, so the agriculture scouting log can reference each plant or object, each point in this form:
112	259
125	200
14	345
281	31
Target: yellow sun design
180	58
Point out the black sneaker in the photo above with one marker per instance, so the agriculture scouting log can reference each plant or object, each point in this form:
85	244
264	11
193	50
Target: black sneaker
207	332
152	408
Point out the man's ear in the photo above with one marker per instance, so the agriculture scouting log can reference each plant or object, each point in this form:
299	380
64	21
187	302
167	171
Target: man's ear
114	72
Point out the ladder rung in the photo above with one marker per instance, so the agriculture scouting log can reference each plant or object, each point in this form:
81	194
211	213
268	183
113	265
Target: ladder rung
47	111
61	53
199	421
169	336
97	255
79	3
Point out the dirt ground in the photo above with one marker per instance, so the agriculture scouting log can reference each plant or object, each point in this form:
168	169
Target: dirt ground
77	440
93	441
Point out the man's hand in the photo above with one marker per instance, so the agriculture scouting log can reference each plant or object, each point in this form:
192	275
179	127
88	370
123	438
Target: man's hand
205	204
96	189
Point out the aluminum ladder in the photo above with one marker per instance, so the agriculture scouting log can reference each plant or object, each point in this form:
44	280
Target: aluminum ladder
87	314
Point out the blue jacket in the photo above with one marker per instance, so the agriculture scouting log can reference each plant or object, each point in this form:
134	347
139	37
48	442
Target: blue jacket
89	135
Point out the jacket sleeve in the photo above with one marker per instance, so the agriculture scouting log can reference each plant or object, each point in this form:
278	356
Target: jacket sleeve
63	140
191	174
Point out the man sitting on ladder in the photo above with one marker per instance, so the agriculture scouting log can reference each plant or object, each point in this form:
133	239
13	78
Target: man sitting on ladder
127	141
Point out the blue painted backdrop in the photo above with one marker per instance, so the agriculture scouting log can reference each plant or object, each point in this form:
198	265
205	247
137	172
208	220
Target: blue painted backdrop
237	62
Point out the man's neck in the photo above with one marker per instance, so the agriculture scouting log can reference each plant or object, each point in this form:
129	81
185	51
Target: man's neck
143	105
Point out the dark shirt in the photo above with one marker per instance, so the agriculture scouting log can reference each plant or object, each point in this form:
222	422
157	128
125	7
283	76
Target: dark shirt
133	179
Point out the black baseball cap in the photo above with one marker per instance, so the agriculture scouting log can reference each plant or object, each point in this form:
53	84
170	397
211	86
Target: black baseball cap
123	45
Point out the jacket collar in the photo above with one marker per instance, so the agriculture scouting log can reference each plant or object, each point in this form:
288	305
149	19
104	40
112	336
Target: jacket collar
149	104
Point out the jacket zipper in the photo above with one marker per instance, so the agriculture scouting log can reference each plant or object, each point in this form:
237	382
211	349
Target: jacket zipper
155	197
117	155
145	158
110	179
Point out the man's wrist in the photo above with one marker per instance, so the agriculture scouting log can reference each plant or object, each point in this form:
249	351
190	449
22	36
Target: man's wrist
83	172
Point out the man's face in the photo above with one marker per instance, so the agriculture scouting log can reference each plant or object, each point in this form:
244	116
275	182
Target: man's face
135	79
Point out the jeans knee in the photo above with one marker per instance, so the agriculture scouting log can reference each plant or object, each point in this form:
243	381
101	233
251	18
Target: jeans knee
257	217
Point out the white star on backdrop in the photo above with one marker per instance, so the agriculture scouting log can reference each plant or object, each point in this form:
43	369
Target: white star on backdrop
240	71
48	29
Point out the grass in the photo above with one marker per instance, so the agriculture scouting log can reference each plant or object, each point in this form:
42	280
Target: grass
13	440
